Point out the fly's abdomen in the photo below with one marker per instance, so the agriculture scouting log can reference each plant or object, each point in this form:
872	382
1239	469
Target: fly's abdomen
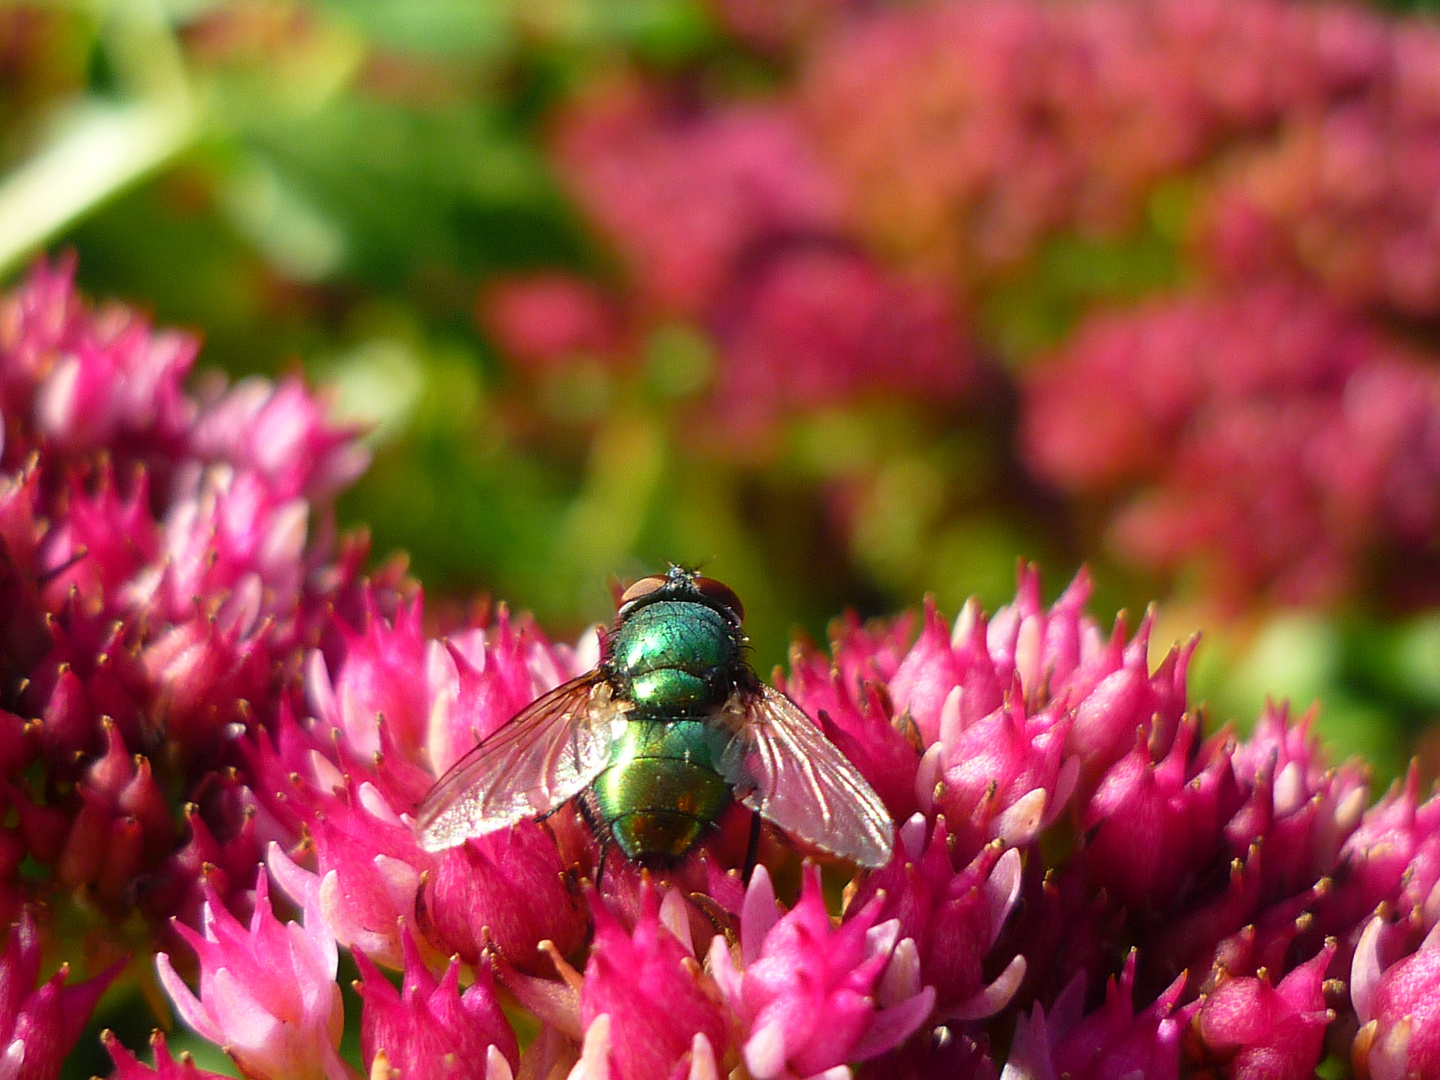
661	791
675	656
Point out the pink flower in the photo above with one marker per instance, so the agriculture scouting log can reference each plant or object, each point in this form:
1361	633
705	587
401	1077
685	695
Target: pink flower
685	195
419	705
161	582
659	1004
381	681
1376	859
1397	1001
543	319
1345	195
87	381
1265	436
951	920
39	1025
170	609
482	677
508	891
817	325
810	996
128	1067
367	876
1057	656
1111	1043
1004	777
122	827
1153	822
429	1028
267	994
1269	1032
279	432
850	709
966	134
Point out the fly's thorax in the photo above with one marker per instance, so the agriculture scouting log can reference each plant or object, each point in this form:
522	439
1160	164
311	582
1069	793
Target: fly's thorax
675	655
661	790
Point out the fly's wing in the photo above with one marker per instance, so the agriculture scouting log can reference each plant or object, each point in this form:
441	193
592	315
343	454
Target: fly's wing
542	757
784	769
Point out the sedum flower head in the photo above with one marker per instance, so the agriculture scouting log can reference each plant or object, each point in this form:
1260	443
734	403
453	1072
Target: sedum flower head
966	134
811	996
659	1008
950	920
1268	437
39	1025
367	875
430	1028
1397	1001
1271	1031
128	1067
267	991
1112	1042
1084	882
163	578
728	216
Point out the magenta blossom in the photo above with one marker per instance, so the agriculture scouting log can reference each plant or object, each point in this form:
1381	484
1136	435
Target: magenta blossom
821	325
200	680
508	891
810	996
1269	1032
1346	195
965	134
951	920
1268	436
1111	1043
267	994
367	876
128	1067
429	1028
727	216
164	574
660	1007
685	197
39	1025
1397	1001
545	319
1152	822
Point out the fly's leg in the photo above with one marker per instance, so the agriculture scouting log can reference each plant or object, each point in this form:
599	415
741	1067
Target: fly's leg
752	849
590	814
600	866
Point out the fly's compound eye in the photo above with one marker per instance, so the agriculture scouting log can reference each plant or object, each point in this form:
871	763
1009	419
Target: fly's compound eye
642	588
720	593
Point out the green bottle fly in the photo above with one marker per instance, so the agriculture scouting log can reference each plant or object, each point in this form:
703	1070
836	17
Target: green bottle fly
659	739
678	661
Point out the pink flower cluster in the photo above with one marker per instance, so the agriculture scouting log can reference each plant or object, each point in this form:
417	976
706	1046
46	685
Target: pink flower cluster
1083	883
725	216
825	234
1248	874
1073	859
966	133
1267	436
1348	195
162	575
1225	432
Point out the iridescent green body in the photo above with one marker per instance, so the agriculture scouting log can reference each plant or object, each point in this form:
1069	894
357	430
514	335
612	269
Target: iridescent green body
657	741
678	661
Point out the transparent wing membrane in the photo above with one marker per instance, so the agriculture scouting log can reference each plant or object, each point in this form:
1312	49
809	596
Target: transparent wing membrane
784	769
543	757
